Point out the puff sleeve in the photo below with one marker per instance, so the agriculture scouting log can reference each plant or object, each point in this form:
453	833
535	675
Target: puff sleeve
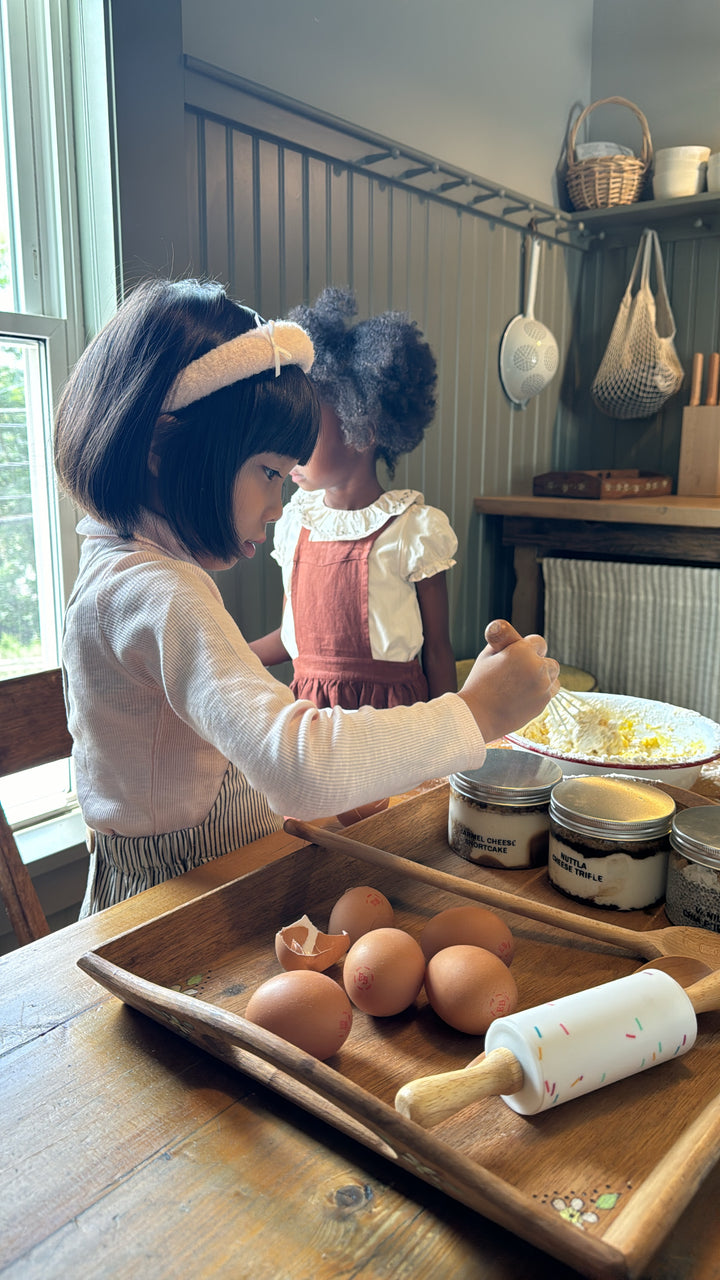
427	543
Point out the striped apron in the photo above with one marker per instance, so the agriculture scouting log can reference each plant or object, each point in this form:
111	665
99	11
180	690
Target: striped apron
121	866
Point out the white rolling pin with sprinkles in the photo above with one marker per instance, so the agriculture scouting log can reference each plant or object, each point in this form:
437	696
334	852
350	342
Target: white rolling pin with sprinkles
540	1058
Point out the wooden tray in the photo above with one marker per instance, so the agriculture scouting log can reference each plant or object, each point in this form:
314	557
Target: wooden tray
629	483
596	1183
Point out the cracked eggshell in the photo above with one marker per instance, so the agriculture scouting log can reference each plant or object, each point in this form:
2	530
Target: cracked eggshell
302	946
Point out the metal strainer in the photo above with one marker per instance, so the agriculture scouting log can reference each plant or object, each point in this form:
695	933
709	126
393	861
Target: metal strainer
528	351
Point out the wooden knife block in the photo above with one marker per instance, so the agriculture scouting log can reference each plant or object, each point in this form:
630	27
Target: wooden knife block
699	471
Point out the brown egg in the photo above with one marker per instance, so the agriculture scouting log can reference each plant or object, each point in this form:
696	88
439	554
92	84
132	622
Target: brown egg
301	946
383	972
360	910
469	988
306	1008
473	926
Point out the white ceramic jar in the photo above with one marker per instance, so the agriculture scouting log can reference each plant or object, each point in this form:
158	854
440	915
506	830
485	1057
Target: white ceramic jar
498	815
679	171
609	840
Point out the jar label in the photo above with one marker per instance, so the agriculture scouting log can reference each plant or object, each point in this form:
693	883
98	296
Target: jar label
493	838
613	880
693	894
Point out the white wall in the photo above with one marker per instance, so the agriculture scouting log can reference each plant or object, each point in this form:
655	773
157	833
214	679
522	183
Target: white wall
665	56
483	84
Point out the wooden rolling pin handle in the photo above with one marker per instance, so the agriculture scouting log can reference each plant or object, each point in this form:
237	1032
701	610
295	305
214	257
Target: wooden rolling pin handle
705	994
431	1099
696	378
711	396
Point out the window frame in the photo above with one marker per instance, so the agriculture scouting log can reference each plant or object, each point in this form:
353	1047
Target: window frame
52	334
57	82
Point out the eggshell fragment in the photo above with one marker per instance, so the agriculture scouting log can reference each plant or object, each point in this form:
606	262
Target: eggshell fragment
360	910
302	946
383	972
307	1009
472	926
469	987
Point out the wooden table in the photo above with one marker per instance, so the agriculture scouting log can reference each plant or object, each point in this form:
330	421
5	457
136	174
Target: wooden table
668	529
129	1152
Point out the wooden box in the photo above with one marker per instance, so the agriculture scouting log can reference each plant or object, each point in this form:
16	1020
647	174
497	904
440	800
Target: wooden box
627	483
596	1183
699	471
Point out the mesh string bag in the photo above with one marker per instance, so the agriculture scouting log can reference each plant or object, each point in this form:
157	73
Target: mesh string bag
640	369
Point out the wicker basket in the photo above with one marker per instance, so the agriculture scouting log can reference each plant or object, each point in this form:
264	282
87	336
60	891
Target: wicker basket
605	181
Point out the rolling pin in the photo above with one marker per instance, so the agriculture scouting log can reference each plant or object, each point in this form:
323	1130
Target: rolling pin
541	1057
696	378
711	394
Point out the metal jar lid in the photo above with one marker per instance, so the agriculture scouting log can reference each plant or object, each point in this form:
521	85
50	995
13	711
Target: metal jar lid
612	808
696	834
509	777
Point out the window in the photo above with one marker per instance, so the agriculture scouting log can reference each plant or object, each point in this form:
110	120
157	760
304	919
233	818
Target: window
30	591
46	189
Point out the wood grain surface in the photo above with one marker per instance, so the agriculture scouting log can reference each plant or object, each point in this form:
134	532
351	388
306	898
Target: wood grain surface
131	1151
700	512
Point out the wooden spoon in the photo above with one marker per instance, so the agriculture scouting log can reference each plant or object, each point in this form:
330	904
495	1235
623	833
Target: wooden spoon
431	1099
684	969
673	940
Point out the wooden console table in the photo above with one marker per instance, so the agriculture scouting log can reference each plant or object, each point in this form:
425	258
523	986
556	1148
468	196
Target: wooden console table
668	529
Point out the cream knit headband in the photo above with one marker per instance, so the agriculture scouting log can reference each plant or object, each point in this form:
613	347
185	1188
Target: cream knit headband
270	345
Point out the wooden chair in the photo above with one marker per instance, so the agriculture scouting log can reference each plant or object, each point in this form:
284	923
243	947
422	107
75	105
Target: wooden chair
33	731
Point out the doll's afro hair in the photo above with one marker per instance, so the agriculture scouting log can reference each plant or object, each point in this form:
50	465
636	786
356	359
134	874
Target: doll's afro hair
379	375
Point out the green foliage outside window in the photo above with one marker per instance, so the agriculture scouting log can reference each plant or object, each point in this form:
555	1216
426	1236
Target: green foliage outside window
19	617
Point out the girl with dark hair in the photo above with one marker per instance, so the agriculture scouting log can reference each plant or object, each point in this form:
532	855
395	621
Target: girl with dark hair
174	434
365	615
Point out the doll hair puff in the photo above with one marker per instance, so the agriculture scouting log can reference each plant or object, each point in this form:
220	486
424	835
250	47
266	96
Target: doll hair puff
379	375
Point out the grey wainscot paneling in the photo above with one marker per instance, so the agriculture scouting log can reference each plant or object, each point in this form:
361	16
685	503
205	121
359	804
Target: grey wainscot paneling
691	256
283	202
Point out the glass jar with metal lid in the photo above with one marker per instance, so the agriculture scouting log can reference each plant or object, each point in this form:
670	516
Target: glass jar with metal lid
609	840
693	879
498	815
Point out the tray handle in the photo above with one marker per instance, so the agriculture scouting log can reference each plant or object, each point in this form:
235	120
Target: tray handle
234	1040
324	1092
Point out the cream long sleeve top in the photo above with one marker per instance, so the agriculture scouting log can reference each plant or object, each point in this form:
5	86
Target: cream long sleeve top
163	691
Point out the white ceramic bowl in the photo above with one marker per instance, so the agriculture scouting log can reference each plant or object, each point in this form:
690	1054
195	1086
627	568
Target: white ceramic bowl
681	166
693	155
672	183
685	740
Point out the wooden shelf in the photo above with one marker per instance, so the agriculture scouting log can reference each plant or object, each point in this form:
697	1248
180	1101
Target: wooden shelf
674	530
700	513
692	215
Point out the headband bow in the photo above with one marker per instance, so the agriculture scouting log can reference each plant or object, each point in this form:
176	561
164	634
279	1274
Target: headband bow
242	357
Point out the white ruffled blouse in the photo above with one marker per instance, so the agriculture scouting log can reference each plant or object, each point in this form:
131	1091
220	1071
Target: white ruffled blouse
419	543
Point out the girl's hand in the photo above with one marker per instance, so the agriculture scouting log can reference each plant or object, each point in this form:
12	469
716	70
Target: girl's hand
511	682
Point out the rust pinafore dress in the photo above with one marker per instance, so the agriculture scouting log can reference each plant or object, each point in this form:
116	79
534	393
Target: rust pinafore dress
335	666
